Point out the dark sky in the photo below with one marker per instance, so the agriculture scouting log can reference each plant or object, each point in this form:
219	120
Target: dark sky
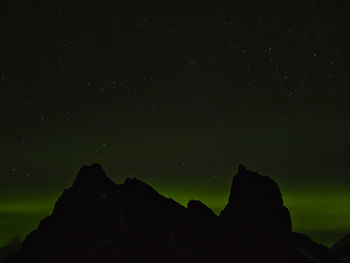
176	93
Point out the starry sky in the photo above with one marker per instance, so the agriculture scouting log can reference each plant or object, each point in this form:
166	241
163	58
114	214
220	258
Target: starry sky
177	94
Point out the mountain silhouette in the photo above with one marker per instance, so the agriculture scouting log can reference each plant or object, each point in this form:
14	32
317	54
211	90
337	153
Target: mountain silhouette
341	249
97	220
256	203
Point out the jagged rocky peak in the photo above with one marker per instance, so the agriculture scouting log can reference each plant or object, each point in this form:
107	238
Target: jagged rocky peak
256	198
90	185
137	185
91	176
97	220
197	209
251	189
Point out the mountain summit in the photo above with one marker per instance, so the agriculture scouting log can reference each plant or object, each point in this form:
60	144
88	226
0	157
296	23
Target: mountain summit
97	220
256	203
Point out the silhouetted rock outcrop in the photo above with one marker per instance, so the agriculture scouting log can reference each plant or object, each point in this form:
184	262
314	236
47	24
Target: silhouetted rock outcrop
97	220
200	211
256	204
317	252
341	249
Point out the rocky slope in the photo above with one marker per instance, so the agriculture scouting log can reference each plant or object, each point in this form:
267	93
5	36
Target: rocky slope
97	220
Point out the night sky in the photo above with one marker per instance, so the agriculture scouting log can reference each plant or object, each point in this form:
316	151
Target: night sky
177	94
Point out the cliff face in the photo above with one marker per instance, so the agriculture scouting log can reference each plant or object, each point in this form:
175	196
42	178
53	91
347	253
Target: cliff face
97	220
256	204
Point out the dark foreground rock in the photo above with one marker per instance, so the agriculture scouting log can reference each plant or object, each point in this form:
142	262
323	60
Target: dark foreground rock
97	220
341	249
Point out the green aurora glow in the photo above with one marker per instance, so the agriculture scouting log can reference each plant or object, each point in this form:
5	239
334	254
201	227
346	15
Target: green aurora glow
311	212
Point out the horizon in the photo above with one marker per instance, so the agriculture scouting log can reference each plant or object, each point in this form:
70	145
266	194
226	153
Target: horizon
310	212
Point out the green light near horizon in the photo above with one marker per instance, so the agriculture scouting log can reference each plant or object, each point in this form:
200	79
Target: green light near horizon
26	207
22	214
323	215
320	214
